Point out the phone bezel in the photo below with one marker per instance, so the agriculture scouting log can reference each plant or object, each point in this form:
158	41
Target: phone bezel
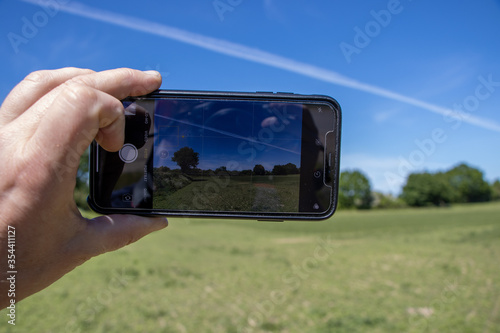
334	152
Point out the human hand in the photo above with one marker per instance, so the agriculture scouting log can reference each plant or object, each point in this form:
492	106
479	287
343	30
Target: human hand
46	123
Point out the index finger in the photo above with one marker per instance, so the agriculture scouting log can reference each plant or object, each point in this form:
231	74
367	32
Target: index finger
118	83
33	87
71	115
122	82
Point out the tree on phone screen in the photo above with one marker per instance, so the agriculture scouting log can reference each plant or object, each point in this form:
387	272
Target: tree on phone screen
186	158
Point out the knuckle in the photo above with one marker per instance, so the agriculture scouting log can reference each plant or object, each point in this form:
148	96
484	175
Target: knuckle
97	105
74	96
81	80
130	78
127	73
82	71
45	76
76	90
40	76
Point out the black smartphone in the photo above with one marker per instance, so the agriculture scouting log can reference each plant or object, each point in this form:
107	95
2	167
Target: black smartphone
264	156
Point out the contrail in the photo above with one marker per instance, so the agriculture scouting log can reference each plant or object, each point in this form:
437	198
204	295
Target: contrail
255	55
233	135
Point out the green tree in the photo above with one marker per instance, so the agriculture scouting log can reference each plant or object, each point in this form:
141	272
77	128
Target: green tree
259	170
495	190
354	190
186	158
222	170
468	184
424	189
278	170
291	169
247	172
287	169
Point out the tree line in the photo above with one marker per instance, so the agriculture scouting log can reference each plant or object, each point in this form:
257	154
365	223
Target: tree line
460	184
187	160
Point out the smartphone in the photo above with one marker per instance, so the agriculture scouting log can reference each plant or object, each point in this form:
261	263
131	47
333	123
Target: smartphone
263	156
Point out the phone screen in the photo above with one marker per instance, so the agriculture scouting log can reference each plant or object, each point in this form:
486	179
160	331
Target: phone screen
234	156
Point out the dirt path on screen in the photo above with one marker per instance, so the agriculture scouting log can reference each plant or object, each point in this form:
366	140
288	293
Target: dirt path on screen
266	199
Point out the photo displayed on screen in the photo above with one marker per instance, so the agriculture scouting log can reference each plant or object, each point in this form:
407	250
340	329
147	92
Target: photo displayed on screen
226	156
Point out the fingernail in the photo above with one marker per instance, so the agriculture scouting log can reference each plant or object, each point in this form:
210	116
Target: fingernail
154	73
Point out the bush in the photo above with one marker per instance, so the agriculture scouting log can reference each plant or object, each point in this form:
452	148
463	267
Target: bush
426	189
468	184
495	190
354	190
386	201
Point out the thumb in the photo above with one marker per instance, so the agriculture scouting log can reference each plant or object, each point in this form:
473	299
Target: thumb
111	232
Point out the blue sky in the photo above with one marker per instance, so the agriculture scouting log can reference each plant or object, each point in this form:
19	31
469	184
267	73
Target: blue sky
211	133
401	70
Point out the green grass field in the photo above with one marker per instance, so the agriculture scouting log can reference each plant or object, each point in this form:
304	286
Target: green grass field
409	270
234	194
